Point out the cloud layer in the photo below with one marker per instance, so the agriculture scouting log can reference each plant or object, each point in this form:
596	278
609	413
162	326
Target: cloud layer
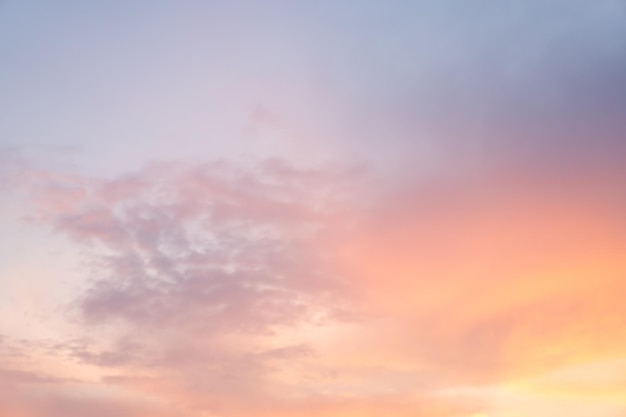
193	255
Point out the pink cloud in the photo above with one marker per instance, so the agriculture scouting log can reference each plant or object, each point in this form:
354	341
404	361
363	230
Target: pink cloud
302	294
198	269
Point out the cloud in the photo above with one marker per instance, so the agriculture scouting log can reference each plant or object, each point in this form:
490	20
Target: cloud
200	271
479	274
296	289
35	404
532	84
30	394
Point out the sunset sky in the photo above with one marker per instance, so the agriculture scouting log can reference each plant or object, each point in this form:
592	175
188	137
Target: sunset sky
291	208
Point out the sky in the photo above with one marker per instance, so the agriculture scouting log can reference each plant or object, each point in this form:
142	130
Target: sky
313	208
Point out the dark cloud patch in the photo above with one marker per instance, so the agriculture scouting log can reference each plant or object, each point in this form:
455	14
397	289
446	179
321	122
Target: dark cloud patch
534	83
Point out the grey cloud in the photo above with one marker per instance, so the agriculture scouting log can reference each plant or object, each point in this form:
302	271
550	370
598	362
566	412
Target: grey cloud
537	83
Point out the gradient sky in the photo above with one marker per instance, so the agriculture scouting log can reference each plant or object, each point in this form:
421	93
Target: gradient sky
313	208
